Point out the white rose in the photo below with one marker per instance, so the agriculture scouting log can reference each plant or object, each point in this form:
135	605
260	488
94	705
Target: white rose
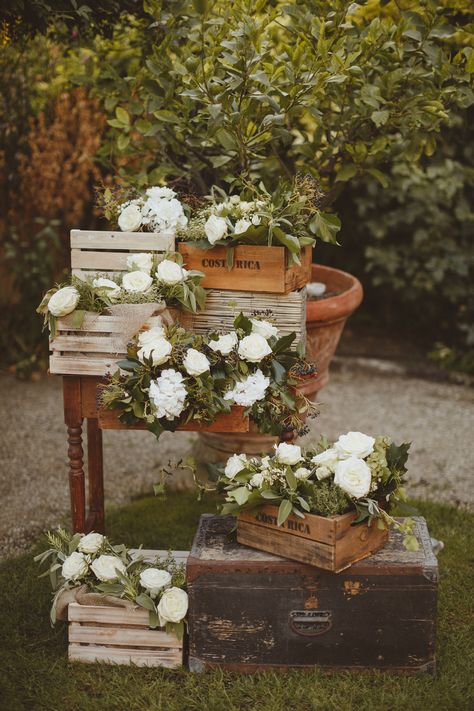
158	192
247	392
168	394
63	301
173	606
107	567
302	473
235	464
353	476
130	218
257	480
224	344
165	213
91	543
354	444
154	579
241	226
253	348
159	350
234	199
322	473
329	458
195	363
152	334
171	272
215	228
263	328
106	286
142	262
74	567
136	281
288	453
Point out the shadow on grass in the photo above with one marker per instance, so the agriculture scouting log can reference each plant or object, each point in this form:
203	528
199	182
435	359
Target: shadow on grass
35	674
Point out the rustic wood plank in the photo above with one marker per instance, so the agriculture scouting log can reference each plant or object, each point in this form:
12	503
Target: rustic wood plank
100	323
122	636
315	528
358	542
99	261
85	365
233	421
137	241
170	659
89	344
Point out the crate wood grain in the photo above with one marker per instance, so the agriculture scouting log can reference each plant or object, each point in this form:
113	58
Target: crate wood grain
250	610
331	543
288	311
106	252
255	268
233	421
92	349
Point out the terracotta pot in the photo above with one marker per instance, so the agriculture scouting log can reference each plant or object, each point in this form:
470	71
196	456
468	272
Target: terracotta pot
326	318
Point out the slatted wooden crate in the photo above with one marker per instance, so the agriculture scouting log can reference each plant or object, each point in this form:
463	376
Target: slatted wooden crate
255	268
94	348
122	636
331	542
288	311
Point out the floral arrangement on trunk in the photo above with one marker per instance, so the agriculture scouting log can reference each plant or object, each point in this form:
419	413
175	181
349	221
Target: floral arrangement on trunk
148	280
85	565
155	209
356	473
175	376
284	218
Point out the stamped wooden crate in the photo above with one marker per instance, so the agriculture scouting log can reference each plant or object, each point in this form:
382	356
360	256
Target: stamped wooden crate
331	543
288	311
255	268
233	421
94	347
118	635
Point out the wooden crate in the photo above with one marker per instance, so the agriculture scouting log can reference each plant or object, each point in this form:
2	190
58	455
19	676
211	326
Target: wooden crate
122	636
331	543
94	348
253	611
233	421
104	252
222	306
261	269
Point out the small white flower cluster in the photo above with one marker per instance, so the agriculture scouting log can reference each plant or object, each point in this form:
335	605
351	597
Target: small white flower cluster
247	392
345	460
231	218
156	211
139	278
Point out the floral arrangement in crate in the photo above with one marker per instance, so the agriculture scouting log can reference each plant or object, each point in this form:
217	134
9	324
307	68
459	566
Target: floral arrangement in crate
83	566
286	218
175	376
356	473
155	209
147	281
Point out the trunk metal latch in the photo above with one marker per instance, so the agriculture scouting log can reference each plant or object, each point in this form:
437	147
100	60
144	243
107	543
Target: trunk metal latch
310	623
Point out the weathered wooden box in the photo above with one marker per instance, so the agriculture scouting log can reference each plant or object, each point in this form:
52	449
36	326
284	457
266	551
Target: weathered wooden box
288	311
94	347
251	610
331	543
255	268
122	636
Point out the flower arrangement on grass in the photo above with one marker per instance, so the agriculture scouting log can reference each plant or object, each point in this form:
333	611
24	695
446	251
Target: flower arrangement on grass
156	209
287	218
147	280
356	473
92	563
175	376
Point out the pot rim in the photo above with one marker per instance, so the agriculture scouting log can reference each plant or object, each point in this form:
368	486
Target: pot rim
334	308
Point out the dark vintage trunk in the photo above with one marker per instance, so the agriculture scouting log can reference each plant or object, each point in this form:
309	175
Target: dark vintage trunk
251	610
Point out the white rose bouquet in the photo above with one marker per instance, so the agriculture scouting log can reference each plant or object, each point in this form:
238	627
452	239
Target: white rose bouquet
174	376
156	209
92	563
288	217
357	472
148	280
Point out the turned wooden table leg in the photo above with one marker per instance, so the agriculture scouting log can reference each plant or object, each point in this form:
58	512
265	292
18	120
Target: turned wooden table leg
95	469
73	419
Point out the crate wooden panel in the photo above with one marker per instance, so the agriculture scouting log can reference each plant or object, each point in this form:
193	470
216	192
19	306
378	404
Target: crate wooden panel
331	543
288	311
105	252
233	421
255	268
92	349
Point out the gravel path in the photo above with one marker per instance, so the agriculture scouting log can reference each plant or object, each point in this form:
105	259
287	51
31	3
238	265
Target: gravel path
438	418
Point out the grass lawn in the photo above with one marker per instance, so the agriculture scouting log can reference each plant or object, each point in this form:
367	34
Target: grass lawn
35	674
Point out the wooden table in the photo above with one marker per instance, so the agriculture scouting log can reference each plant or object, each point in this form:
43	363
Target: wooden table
80	402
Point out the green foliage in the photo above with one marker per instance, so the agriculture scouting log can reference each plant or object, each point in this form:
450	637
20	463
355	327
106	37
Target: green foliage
328	500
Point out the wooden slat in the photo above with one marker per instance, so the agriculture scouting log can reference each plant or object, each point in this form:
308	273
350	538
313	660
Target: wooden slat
137	241
99	261
170	659
99	323
122	636
234	421
85	365
107	615
90	344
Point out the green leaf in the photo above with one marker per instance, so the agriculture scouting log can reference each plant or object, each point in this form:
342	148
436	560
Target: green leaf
122	116
128	365
291	479
346	172
145	601
380	117
166	116
283	343
279	372
326	226
378	175
240	495
78	318
284	511
411	543
269	494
